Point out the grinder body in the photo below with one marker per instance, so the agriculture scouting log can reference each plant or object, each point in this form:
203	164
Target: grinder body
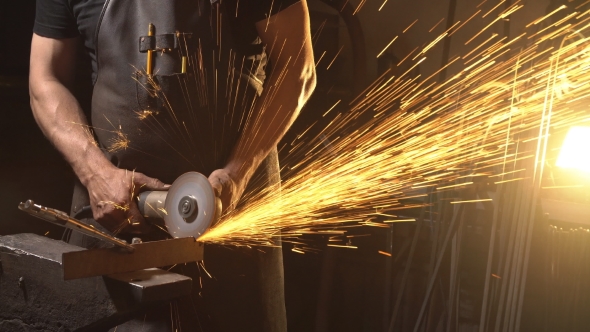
188	208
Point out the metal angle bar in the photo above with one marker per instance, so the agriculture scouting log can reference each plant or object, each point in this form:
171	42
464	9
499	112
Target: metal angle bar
506	209
548	274
513	283
437	266
97	262
482	319
457	239
406	270
526	221
526	210
62	219
436	235
506	272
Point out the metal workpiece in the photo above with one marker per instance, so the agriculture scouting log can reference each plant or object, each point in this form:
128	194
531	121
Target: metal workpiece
61	218
96	262
35	296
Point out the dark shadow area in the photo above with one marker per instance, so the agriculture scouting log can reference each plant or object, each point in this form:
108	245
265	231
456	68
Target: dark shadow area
30	168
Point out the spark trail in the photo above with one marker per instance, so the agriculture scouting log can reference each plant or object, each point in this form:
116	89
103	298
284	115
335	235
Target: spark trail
427	136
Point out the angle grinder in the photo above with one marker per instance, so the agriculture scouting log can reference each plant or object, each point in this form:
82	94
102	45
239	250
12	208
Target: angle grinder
188	208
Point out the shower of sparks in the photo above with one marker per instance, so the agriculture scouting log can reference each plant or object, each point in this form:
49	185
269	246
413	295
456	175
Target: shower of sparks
426	135
407	56
358	8
340	246
541	19
462	24
336	56
437	23
320	59
399	220
494	8
118	142
386	47
473	201
90	135
409	26
142	115
88	132
331	108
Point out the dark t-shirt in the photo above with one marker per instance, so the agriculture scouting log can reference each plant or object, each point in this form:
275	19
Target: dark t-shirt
62	19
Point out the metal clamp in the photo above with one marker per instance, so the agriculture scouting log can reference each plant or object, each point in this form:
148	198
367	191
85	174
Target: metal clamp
62	219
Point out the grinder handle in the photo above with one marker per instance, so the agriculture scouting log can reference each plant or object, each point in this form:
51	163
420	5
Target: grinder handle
151	204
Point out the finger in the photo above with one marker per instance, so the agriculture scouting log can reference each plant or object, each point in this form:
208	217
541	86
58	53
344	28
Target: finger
135	217
217	187
110	218
137	223
145	182
216	183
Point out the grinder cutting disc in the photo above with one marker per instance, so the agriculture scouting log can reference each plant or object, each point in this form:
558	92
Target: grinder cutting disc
190	206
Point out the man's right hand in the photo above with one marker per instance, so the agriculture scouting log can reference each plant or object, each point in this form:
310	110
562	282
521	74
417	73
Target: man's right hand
112	198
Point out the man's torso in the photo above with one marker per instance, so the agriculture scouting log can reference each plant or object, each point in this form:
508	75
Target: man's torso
198	141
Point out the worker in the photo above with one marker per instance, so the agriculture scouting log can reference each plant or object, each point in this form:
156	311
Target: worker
168	106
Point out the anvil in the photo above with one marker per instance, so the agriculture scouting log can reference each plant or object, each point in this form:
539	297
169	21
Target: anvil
55	286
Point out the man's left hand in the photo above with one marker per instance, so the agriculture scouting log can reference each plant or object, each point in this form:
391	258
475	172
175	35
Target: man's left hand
227	187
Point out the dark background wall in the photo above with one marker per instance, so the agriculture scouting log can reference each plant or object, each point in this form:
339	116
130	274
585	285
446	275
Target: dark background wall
29	166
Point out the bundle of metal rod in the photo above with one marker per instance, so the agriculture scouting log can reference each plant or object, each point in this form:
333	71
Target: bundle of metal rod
567	279
451	299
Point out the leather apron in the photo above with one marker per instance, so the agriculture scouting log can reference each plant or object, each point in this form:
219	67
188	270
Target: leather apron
176	121
172	121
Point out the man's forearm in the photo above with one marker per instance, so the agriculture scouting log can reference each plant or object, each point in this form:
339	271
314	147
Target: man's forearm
287	89
59	116
274	113
55	108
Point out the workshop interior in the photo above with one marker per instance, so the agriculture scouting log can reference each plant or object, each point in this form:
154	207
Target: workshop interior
438	179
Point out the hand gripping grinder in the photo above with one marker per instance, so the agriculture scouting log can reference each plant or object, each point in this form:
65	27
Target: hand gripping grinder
188	208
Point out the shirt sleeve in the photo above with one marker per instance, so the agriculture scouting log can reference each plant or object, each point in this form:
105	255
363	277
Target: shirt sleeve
55	19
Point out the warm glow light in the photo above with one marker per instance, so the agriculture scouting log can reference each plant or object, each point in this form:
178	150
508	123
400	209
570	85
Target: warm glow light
575	152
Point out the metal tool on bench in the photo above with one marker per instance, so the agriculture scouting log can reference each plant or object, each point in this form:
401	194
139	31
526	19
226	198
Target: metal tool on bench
61	218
